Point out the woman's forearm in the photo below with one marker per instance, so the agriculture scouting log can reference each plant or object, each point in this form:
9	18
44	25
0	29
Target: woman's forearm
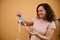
48	35
27	23
43	37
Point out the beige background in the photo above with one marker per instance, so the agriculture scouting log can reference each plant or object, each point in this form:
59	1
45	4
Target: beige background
8	18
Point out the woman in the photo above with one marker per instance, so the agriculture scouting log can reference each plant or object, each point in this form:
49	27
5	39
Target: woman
43	25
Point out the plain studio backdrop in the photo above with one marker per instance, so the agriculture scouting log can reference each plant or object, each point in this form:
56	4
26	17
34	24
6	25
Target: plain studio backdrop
9	19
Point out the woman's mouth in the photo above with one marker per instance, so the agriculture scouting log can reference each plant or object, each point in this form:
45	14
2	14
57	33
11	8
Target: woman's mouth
40	14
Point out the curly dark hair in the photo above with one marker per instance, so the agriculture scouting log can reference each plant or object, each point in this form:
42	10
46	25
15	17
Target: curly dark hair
49	12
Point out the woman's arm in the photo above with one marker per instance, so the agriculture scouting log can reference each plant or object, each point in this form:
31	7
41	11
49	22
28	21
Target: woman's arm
48	35
27	23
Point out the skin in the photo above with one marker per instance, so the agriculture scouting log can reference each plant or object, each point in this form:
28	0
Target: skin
41	13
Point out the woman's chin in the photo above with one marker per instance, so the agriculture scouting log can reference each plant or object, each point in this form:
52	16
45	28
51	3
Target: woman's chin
40	17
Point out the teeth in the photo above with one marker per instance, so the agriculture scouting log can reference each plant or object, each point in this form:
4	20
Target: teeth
40	14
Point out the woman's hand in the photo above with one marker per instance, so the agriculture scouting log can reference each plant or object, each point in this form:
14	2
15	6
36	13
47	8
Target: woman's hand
19	14
32	32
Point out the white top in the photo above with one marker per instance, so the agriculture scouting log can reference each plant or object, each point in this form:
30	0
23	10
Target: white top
41	27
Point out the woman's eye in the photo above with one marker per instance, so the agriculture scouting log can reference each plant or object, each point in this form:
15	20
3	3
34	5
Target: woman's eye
40	10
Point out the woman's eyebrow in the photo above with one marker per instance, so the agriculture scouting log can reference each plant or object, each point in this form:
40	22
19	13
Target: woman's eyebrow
40	10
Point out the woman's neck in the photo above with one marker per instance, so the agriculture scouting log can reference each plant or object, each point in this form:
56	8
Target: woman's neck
44	19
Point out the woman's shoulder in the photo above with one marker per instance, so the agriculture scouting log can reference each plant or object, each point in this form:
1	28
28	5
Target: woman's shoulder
52	24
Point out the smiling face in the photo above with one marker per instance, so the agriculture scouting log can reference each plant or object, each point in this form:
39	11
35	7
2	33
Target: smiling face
41	12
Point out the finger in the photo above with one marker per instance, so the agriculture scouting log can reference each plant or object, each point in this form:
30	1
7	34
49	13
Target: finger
19	14
30	31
